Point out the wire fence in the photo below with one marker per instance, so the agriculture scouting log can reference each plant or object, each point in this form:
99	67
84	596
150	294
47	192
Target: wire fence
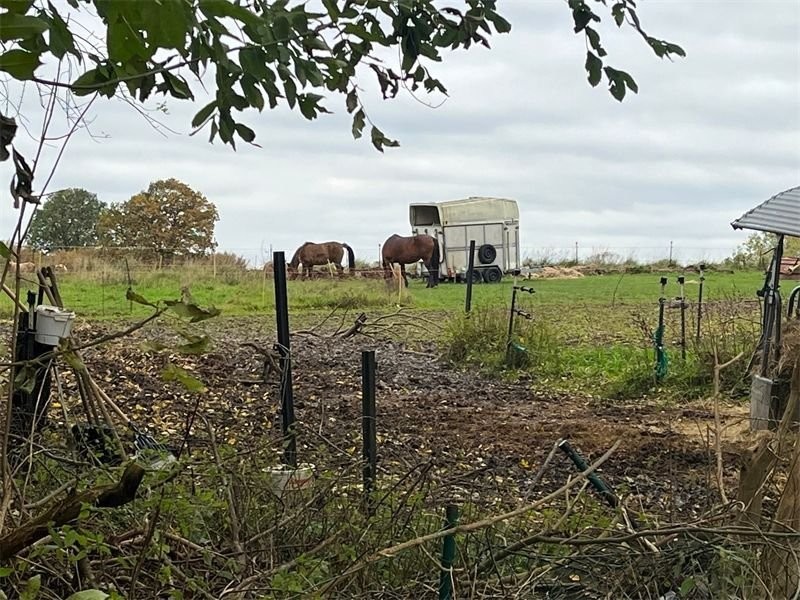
86	259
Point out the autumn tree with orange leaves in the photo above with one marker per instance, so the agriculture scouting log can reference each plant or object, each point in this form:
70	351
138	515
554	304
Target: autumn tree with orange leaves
168	220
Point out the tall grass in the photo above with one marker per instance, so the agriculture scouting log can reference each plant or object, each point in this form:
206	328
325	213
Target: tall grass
616	369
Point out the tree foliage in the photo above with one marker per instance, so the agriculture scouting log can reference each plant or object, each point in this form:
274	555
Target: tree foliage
169	219
270	52
755	251
68	219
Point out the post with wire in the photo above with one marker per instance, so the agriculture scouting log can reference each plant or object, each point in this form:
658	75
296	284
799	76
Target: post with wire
283	348
515	352
369	426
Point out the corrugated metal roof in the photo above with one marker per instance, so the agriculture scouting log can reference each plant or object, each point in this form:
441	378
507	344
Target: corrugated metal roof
780	214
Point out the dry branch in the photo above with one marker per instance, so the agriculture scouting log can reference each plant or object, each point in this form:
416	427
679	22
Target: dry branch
467	527
68	510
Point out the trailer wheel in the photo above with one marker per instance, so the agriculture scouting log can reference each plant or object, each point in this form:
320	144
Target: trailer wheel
493	275
487	254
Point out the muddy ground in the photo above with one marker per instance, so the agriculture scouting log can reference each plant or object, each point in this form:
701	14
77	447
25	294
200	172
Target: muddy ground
486	437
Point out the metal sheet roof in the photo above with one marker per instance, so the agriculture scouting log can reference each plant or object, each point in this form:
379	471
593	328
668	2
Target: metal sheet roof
780	214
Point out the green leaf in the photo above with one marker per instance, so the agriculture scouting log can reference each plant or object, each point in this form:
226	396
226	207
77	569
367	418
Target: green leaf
594	40
254	62
629	82
5	251
6	571
352	101
618	12
25	379
226	8
281	29
152	346
89	595
500	24
87	83
594	67
686	587
358	123
194	313
379	140
19	63
197	344
173	373
61	40
134	297
291	92
20	27
178	86
203	114
583	15
167	24
333	10
675	49
32	587
616	84
16	6
74	361
244	132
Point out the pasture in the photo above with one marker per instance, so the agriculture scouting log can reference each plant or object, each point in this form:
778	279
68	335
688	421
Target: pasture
455	427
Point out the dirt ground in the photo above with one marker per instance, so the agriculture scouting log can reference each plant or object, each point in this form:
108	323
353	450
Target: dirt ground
485	437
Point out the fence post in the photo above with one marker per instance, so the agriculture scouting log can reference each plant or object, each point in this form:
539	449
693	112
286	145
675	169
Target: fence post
287	396
576	253
368	426
448	554
670	253
470	269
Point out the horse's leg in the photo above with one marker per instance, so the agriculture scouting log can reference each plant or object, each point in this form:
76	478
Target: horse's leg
403	273
388	272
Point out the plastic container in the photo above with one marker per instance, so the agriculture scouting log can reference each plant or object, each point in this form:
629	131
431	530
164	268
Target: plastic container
52	324
286	479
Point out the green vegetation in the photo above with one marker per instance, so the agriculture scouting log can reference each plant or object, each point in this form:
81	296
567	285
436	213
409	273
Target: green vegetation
101	294
592	334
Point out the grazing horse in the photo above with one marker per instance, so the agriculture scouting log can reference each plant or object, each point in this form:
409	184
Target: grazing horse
310	254
408	250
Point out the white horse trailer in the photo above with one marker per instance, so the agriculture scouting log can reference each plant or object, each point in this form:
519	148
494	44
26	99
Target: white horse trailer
492	222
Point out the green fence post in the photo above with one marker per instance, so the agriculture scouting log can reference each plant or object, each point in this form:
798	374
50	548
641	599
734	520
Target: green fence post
448	554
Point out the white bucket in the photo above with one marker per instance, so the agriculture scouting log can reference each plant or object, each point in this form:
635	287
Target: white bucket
52	324
286	479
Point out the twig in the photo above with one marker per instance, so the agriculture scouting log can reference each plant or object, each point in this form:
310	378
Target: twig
466	528
243	586
151	530
232	512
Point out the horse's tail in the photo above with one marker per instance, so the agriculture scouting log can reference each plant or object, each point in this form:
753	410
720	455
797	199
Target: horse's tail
351	257
434	268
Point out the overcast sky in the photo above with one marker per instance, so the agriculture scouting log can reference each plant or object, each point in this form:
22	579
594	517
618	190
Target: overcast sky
706	138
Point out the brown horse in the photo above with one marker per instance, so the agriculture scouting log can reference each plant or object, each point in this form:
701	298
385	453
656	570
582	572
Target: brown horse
310	255
408	250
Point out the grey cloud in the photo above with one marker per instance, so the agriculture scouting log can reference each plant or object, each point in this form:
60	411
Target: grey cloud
706	138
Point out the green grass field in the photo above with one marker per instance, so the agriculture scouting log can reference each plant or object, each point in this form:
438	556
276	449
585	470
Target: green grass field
249	293
592	334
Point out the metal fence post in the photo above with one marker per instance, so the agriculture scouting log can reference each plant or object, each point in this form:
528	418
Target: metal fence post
470	270
287	394
368	426
448	554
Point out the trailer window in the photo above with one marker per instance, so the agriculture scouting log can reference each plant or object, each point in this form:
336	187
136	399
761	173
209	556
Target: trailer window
425	216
